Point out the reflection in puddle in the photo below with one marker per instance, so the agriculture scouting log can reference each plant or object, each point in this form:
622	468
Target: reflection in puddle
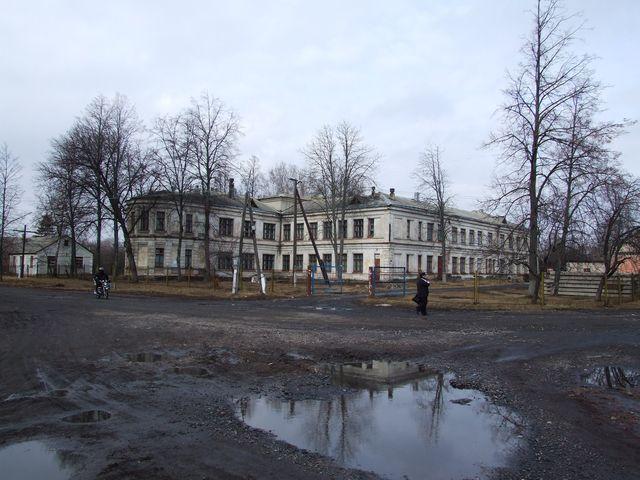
612	377
414	429
144	357
32	461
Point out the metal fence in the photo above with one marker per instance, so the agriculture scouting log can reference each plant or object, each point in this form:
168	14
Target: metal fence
387	281
334	282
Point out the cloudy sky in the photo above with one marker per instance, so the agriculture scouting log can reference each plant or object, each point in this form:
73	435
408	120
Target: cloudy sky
407	73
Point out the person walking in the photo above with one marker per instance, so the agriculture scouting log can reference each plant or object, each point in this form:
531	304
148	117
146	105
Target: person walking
422	294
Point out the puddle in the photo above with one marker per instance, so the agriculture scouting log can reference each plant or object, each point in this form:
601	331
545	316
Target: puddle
612	377
88	416
299	356
32	460
144	357
409	422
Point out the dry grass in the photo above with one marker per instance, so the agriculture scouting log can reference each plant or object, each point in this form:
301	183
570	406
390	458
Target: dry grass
193	289
515	299
453	295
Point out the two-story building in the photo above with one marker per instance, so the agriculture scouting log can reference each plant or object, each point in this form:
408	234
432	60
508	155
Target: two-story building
381	229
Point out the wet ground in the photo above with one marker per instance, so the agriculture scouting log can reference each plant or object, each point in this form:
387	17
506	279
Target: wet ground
158	388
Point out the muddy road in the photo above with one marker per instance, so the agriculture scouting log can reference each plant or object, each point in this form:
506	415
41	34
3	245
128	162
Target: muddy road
161	380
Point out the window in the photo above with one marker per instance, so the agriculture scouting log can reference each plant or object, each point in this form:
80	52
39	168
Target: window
357	263
408	263
472	265
370	228
408	228
298	263
463	265
344	262
510	242
269	231
312	259
343	231
429	263
440	233
326	258
226	227
286	262
249	229
419	230
327	230
430	232
247	261
299	231
419	263
79	263
479	265
358	228
188	255
518	243
454	235
286	233
479	238
159	263
313	230
188	223
66	243
454	265
502	241
463	236
144	220
489	238
159	221
225	261
268	260
472	237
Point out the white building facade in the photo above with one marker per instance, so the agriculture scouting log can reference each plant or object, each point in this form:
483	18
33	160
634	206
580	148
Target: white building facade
50	256
381	230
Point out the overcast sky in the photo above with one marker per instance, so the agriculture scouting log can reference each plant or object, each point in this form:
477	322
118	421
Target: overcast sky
407	73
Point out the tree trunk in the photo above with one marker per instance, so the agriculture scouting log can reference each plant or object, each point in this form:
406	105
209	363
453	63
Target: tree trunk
255	250
116	246
98	255
179	254
207	236
72	268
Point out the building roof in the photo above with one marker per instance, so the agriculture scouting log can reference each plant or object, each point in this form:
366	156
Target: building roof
283	204
36	244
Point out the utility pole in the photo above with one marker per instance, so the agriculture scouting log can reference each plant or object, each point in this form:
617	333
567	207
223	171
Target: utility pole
295	237
24	243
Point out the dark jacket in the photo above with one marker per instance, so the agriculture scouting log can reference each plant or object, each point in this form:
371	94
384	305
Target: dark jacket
99	276
423	288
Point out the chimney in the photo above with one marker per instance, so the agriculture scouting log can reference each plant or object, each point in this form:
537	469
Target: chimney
392	193
416	196
232	188
373	191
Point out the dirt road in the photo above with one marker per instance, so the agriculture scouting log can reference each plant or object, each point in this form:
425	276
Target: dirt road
169	372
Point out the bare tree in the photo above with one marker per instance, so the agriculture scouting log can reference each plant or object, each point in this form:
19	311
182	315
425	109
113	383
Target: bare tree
251	177
64	197
614	211
90	138
431	176
216	131
548	77
174	147
278	179
340	164
585	165
10	195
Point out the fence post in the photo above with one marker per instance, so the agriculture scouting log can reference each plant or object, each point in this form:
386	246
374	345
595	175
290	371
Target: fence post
542	288
606	291
372	292
166	276
404	282
273	281
476	293
619	290
308	281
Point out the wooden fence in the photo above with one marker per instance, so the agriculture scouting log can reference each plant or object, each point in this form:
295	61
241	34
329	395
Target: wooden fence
626	287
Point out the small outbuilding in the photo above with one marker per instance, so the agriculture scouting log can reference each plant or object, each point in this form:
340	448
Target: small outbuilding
50	256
